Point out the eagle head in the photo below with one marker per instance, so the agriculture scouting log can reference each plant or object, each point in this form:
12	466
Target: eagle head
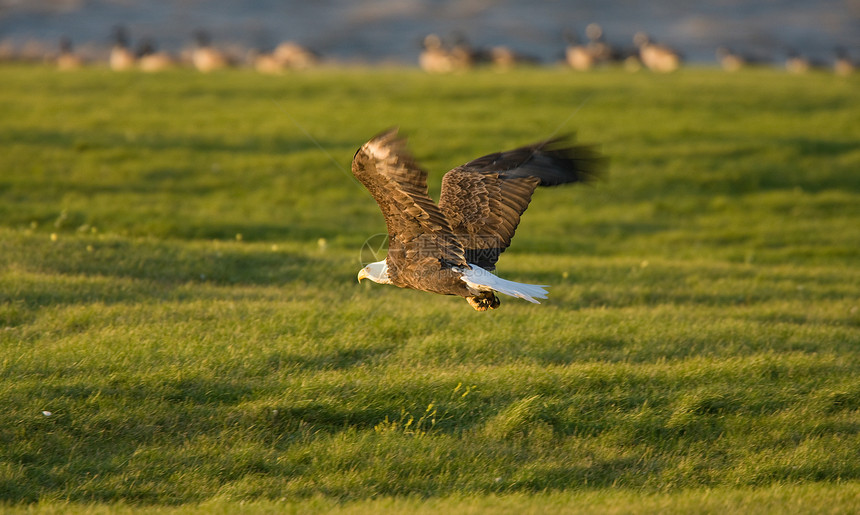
376	272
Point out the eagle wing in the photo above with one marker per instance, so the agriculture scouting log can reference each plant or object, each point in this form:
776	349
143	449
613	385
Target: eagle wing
484	198
419	235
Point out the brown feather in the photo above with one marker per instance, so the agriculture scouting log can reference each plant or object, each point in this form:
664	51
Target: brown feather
421	246
478	212
484	198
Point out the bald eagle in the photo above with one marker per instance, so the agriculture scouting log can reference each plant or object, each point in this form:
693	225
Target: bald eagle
452	248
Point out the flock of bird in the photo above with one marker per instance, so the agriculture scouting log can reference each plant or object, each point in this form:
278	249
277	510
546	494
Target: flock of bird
436	56
203	56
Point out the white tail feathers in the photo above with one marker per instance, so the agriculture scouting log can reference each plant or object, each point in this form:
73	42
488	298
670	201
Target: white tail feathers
480	279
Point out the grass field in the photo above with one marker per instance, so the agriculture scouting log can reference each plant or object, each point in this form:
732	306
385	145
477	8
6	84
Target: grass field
181	328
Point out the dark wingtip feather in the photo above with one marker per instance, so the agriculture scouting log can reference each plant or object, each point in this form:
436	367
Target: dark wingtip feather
557	162
554	161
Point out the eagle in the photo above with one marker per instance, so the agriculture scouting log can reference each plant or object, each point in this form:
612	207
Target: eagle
452	247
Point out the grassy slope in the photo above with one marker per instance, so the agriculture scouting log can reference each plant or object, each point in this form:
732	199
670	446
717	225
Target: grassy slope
164	295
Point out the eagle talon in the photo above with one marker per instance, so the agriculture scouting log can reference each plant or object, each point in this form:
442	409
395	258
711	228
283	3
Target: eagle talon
484	301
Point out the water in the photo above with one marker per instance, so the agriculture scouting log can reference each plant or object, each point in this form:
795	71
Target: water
375	31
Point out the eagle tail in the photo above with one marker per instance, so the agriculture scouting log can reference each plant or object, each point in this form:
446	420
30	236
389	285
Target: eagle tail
476	277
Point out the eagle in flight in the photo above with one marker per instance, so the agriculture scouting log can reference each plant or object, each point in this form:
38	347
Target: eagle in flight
452	247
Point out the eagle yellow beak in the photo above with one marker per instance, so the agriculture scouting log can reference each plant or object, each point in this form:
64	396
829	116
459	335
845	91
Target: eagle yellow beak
362	274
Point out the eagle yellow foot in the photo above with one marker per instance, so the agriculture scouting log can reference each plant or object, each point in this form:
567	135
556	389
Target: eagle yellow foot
484	301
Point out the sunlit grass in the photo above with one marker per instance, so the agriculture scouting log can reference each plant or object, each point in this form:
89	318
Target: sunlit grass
175	334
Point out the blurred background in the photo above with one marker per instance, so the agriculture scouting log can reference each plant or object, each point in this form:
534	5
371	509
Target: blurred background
392	31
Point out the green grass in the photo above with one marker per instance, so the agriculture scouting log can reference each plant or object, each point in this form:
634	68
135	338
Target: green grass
166	294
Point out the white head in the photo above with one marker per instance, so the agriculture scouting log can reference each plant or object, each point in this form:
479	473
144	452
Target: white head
376	272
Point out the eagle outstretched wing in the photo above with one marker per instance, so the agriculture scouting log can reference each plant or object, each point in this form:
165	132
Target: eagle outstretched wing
419	234
483	199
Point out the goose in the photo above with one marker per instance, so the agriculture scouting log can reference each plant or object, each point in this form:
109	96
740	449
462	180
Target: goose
843	65
578	56
434	58
656	57
265	62
150	60
7	51
597	45
729	60
121	57
68	59
295	56
206	58
797	63
505	58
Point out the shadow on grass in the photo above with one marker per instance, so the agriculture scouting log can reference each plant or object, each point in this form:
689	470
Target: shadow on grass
155	431
86	270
